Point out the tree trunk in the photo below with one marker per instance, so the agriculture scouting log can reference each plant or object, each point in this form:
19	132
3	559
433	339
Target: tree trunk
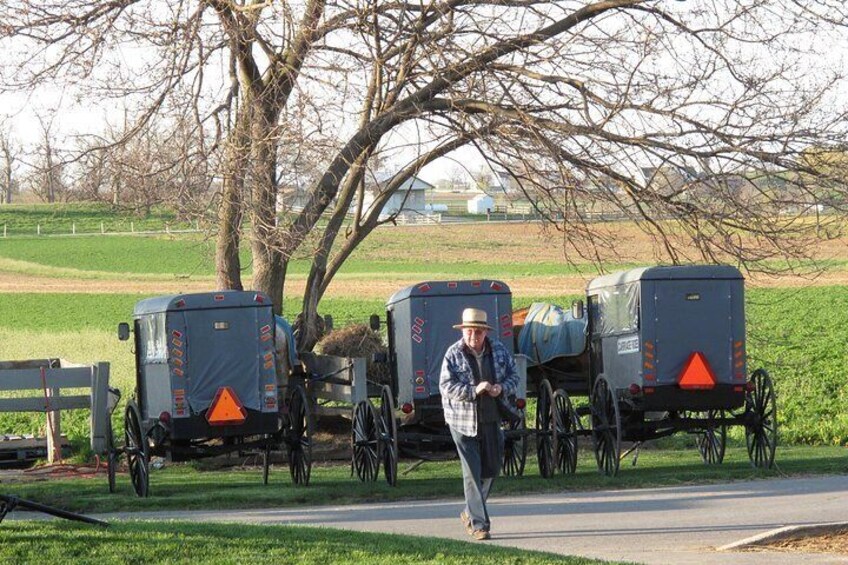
269	263
231	212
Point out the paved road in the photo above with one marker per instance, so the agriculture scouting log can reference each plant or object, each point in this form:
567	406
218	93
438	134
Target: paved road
681	525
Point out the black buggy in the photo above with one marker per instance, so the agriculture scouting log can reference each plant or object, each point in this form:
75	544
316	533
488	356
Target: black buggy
207	383
660	350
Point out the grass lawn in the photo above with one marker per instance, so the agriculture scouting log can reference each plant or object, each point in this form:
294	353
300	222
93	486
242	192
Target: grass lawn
188	486
183	542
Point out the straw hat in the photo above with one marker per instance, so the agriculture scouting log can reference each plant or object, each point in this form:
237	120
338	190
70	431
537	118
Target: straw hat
474	318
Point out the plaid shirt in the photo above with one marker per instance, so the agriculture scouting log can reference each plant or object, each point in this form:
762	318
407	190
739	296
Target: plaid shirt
456	383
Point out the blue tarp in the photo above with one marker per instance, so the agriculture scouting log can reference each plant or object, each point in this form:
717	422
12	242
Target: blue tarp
550	332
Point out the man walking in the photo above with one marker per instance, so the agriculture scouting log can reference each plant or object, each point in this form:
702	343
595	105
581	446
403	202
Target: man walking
477	373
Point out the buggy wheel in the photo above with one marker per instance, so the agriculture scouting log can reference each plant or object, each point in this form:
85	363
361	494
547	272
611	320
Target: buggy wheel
565	420
111	455
515	446
388	435
606	428
761	421
299	441
364	441
138	451
712	440
545	424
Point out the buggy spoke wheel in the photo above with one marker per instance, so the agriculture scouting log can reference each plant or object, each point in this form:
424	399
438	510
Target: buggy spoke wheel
138	451
761	421
606	428
515	447
364	441
545	445
299	441
388	435
712	440
565	420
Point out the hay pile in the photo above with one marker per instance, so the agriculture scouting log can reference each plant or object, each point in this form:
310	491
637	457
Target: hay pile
357	340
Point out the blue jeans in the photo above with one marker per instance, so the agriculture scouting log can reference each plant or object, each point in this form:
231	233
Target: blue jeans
476	488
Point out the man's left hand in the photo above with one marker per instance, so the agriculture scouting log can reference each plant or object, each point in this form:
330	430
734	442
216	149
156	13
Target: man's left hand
496	390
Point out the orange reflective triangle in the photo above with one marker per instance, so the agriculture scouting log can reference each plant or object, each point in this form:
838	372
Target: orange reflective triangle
226	408
697	373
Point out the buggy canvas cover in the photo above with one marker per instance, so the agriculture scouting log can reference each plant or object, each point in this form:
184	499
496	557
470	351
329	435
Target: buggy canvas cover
423	316
550	332
198	343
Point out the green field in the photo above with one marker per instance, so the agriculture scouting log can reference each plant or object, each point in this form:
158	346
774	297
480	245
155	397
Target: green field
193	256
24	220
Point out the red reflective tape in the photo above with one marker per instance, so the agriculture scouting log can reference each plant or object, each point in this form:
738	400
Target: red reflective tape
420	389
424	287
475	284
178	371
418	321
417	338
219	297
419	373
496	286
452	285
416	329
177	342
265	329
506	334
176	333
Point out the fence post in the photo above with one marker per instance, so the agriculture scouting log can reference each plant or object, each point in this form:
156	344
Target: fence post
54	428
132	227
102	228
74	228
99	406
4	230
37	229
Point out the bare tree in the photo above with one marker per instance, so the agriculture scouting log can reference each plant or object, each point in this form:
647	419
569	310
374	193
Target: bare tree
47	179
9	152
578	101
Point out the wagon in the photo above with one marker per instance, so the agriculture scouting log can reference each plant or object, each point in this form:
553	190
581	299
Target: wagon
658	350
419	322
207	384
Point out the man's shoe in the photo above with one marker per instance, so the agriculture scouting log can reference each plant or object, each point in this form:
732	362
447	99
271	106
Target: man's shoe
480	535
466	521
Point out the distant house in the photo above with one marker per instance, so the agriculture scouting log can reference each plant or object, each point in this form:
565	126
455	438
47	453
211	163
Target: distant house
481	204
409	199
502	182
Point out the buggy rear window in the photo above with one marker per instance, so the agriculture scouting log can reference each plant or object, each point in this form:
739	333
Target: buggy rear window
153	342
617	310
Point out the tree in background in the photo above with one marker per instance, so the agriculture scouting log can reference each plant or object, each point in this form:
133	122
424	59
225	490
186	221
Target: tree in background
9	152
581	102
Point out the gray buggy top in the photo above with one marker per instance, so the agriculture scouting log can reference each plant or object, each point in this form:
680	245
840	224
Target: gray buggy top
649	322
190	345
422	319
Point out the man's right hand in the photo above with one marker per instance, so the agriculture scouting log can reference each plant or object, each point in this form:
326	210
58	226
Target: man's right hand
482	387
